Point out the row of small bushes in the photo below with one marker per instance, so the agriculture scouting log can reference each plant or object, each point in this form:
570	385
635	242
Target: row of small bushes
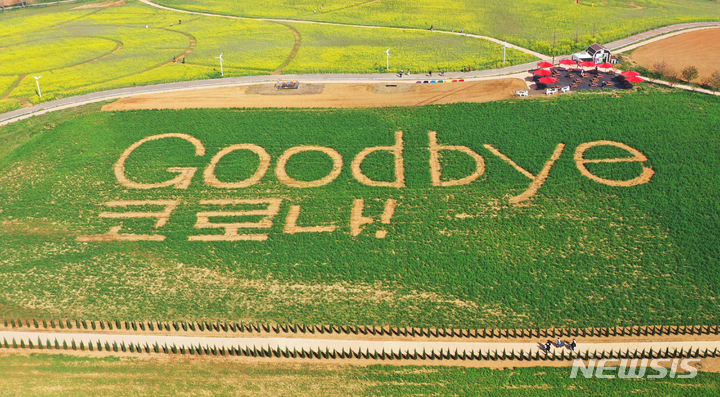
443	354
484	333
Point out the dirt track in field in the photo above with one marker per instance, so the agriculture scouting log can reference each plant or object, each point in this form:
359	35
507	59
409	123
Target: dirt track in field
325	95
47	339
698	48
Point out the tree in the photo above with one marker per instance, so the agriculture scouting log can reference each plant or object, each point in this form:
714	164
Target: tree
661	67
689	73
665	70
714	81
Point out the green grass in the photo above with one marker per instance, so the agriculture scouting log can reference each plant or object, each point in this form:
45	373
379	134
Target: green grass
578	253
59	375
531	24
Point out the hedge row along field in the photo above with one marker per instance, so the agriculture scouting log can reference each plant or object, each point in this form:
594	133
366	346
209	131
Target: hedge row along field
442	354
26	324
346	234
536	25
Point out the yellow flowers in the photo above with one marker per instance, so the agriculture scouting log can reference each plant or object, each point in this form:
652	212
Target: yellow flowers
342	49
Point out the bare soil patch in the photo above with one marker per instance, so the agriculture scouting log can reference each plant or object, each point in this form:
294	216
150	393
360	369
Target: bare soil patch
271	89
689	49
101	5
335	95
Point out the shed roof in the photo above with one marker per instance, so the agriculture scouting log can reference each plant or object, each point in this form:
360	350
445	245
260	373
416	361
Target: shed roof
595	48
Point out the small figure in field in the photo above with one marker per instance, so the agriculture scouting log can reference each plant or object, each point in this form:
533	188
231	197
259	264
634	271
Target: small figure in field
442	73
573	345
560	343
547	346
171	24
174	60
430	72
183	60
462	30
146	26
469	69
408	72
179	21
431	27
401	72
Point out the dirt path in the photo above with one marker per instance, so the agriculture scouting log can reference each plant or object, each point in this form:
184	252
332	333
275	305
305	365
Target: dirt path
326	95
14	86
293	53
355	346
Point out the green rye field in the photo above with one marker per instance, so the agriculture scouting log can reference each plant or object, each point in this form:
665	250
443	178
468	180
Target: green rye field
82	376
489	253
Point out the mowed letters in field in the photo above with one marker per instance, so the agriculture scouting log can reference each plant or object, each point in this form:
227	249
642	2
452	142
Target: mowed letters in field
592	210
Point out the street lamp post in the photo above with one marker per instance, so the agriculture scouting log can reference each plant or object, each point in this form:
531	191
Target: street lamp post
388	59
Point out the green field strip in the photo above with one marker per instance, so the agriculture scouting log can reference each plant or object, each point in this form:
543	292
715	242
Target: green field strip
577	254
46	374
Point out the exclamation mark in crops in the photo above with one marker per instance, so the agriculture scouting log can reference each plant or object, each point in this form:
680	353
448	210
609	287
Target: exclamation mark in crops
386	217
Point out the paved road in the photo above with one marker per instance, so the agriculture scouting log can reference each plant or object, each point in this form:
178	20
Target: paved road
45	107
338	344
615	45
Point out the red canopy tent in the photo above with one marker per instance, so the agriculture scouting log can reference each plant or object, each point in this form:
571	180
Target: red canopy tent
634	79
542	72
605	65
630	73
548	80
568	62
545	65
587	64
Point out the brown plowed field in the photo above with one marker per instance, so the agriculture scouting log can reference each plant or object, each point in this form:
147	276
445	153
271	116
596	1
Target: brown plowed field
699	48
330	95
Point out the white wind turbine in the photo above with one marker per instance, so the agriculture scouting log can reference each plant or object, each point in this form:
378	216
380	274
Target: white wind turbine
37	81
221	67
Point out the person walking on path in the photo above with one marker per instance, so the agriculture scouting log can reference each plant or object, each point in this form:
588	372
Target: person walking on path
430	72
573	345
547	346
401	72
560	343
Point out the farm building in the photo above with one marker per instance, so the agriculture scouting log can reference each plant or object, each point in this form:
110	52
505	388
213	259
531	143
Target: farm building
596	53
